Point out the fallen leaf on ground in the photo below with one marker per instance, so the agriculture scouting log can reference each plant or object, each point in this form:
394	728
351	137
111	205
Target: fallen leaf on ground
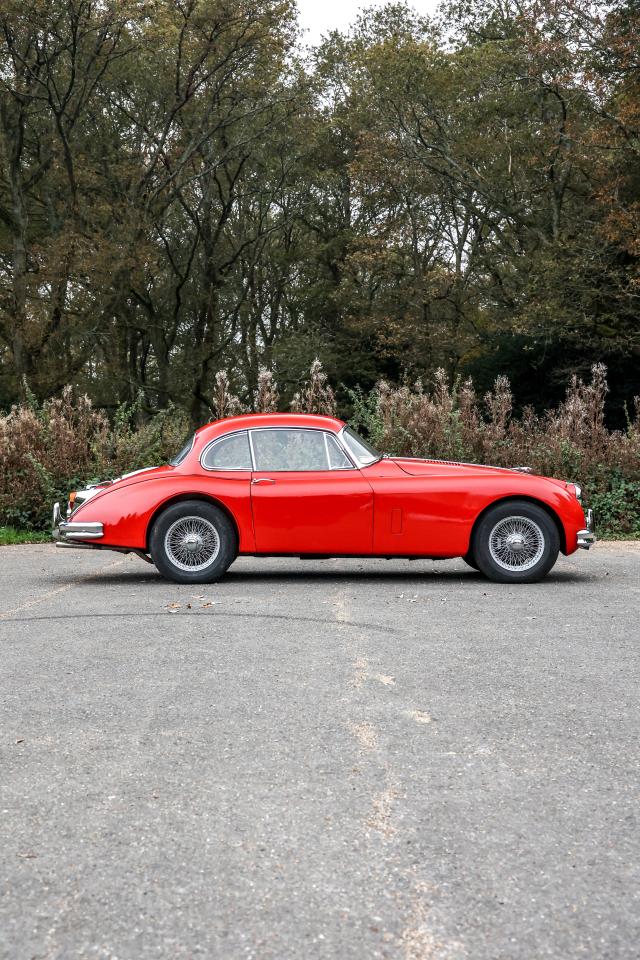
421	716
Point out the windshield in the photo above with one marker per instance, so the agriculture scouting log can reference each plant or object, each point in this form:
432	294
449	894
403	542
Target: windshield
185	450
362	452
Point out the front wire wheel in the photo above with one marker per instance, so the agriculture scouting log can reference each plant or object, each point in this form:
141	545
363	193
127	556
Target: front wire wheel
516	542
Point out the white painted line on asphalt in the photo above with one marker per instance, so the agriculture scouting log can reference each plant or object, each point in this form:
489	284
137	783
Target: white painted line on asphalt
53	593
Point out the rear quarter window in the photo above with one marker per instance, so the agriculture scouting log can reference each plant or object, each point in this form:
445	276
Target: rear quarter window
228	453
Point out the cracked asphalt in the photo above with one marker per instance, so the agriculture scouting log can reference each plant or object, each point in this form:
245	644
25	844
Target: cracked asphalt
319	759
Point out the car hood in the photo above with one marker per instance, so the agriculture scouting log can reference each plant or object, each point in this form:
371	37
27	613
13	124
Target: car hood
416	467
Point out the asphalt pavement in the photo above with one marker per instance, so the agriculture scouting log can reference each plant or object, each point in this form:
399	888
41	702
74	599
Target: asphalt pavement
319	759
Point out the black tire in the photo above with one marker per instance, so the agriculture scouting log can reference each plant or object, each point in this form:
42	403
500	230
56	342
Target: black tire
175	534
470	560
530	556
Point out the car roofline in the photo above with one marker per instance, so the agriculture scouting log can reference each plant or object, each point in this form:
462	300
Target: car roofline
253	421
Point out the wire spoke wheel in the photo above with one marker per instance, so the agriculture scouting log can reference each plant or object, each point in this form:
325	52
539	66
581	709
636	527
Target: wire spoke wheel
192	543
516	544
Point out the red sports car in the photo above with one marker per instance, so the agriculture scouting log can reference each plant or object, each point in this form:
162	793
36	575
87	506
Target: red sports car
309	486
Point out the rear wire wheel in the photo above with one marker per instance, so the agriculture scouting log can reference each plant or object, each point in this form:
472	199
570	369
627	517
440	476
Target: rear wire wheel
193	542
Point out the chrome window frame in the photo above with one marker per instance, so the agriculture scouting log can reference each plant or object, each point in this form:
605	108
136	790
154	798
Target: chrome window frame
250	430
182	460
352	456
328	469
342	449
216	440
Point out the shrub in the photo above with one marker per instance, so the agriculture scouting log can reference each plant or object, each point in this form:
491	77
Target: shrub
47	450
617	508
267	396
316	396
572	442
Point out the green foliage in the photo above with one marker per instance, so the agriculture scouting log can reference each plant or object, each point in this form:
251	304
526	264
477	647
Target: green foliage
617	507
365	414
11	535
47	450
570	442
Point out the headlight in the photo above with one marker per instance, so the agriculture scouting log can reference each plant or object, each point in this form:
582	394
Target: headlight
578	491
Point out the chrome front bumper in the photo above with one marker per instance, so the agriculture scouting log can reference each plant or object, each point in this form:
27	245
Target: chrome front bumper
587	537
71	533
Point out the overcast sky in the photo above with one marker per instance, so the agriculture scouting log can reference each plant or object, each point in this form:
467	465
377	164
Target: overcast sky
320	16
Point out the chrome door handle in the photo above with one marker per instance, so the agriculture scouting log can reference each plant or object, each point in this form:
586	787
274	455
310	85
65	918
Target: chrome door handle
263	480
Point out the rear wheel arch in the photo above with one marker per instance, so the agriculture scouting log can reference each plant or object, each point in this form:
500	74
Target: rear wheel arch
536	502
182	497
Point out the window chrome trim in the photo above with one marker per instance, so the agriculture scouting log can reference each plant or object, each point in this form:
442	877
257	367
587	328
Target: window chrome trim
182	459
352	456
341	449
253	454
225	436
339	440
326	448
328	469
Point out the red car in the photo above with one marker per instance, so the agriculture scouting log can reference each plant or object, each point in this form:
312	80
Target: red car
309	486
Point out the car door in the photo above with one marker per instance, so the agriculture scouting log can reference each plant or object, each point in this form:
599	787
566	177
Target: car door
306	495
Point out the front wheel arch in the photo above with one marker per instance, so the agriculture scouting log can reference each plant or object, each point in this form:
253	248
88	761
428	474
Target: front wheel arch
190	496
534	500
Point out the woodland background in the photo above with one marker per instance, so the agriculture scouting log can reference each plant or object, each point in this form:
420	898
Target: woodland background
188	197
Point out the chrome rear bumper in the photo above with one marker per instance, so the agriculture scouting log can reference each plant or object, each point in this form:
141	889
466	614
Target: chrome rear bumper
68	532
587	537
84	536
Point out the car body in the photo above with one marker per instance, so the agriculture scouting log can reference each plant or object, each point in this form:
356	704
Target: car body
308	486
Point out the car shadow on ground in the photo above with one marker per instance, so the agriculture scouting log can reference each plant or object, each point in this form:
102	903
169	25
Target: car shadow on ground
303	573
364	576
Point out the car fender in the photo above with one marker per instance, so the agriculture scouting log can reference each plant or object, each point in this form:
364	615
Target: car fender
561	504
127	512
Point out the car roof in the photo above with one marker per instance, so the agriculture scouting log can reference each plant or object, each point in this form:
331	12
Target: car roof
256	420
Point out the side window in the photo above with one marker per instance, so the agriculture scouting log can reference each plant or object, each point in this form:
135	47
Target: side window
290	450
230	453
338	460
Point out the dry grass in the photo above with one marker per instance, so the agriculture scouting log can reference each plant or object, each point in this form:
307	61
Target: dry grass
47	450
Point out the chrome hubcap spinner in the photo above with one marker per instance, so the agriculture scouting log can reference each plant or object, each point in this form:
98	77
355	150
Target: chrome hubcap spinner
192	543
516	544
